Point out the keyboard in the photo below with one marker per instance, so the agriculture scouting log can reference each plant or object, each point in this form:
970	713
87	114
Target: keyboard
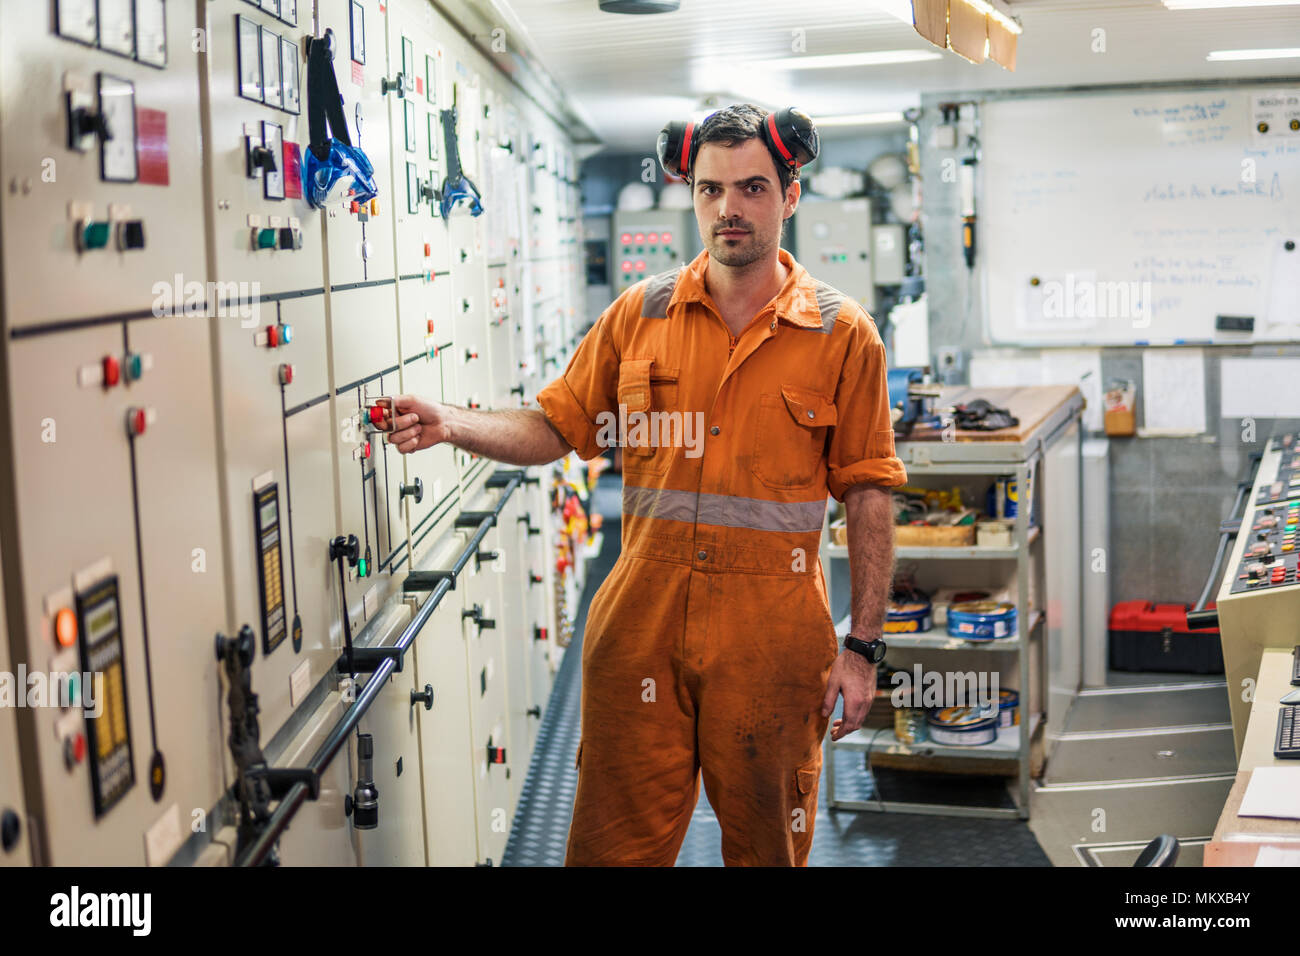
1287	745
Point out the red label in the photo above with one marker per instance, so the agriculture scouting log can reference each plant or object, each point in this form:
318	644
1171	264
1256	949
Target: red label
358	74
151	146
292	171
419	84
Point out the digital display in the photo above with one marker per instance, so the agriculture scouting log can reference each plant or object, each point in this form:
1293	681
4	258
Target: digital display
112	767
101	621
270	574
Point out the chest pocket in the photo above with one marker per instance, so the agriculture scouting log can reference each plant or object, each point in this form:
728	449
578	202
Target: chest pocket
790	437
648	393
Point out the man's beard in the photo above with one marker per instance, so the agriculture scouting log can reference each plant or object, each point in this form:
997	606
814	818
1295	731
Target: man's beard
739	255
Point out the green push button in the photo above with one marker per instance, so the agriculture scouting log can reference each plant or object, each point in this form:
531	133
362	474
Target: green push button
266	239
94	235
134	366
363	568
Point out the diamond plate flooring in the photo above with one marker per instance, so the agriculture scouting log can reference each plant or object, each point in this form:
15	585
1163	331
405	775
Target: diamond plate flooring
840	837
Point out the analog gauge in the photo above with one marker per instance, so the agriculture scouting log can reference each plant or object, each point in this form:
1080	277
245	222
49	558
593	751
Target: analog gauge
151	32
117	27
358	32
289	75
117	158
77	20
272	91
250	60
273	180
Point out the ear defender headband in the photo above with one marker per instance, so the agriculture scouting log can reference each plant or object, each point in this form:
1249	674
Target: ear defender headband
789	134
333	170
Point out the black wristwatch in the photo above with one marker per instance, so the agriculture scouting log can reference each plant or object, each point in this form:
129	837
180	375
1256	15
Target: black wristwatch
873	651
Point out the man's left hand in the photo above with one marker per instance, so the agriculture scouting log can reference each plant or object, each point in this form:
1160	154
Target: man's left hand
855	677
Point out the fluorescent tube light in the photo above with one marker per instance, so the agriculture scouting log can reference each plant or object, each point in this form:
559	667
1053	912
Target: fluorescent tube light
1280	54
830	61
859	119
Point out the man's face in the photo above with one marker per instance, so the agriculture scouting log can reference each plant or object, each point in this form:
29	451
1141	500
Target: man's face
738	201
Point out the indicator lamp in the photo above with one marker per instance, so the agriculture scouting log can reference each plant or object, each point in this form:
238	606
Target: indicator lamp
65	627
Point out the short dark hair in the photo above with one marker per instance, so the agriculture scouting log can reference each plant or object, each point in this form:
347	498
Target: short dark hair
735	124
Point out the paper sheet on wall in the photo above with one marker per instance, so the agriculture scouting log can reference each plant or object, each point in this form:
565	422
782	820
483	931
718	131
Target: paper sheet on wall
1259	387
1080	367
1173	391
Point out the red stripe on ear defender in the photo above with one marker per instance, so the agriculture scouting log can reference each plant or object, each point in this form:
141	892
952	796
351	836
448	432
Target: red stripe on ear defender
684	162
775	137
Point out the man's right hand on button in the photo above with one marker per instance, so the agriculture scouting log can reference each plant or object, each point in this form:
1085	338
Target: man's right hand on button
418	424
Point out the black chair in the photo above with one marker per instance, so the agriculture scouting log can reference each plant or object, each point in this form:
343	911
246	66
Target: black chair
1162	851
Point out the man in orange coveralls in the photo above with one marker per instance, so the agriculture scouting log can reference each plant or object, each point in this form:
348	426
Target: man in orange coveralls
710	646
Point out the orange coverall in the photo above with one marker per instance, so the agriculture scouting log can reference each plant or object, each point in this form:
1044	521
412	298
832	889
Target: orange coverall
709	645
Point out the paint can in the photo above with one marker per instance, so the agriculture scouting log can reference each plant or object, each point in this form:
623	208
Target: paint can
962	726
982	620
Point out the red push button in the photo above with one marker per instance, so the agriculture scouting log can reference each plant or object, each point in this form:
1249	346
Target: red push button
135	421
286	374
377	414
272	336
428	250
112	371
429	322
355	207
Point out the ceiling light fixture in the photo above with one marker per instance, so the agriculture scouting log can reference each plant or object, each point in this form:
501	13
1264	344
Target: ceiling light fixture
998	13
1225	4
1279	54
830	61
859	119
639	6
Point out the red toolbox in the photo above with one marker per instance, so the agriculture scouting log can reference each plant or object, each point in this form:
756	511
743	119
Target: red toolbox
1154	637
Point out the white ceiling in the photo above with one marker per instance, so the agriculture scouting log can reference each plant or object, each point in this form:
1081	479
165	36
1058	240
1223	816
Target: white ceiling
627	75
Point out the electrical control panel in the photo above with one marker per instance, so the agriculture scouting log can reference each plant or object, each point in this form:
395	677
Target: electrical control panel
646	243
199	361
1259	597
1268	557
833	240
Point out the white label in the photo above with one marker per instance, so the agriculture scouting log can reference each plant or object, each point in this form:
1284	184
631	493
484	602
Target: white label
295	222
118	211
92	573
164	838
273	222
299	683
254	221
80	209
262	480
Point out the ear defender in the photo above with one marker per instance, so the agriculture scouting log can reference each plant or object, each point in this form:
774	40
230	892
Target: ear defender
790	136
676	148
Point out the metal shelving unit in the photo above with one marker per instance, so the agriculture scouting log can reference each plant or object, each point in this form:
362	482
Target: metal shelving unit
1019	458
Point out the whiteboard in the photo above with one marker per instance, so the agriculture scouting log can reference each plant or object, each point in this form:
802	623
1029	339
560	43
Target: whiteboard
1140	217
